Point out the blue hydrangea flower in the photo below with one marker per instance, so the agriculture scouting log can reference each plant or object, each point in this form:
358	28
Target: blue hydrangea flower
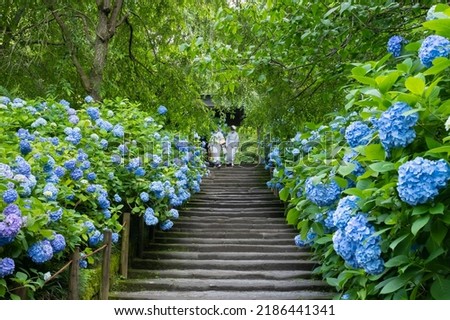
95	238
420	180
91	188
432	47
10	196
74	119
395	44
103	144
88	99
145	196
103	202
358	245
41	251
158	188
395	129
12	209
58	243
115	237
7	267
118	131
25	147
358	133
76	174
5	171
299	242
117	198
73	135
90	226
39	122
22	166
104	125
162	110
91	176
321	193
70	164
123	149
149	217
106	214
56	215
166	225
344	211
93	113
83	263
140	172
9	228
173	213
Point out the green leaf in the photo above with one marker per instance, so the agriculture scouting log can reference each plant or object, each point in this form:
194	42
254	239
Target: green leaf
21	276
415	85
440	289
386	82
397	261
420	210
324	240
396	242
284	194
375	152
292	216
355	192
365	80
346	169
439	65
419	224
441	26
394	284
343	183
436	253
444	149
438	232
383	166
437	209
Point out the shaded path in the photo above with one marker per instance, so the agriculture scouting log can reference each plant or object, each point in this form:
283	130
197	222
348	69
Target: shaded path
231	242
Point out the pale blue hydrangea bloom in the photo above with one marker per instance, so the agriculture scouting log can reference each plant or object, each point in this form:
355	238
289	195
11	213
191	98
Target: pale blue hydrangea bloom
166	225
7	267
420	180
395	129
322	194
432	47
358	133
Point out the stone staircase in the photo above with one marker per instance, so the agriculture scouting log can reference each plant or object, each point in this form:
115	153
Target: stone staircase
231	242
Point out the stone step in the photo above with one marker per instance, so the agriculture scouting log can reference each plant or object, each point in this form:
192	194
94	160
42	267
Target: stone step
200	226
207	247
223	274
256	221
236	256
246	285
228	235
221	295
248	265
226	242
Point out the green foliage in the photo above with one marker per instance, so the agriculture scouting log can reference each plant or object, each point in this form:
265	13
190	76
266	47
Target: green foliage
414	238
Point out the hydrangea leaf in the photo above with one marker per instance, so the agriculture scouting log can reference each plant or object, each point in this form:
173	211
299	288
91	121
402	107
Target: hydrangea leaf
438	232
415	85
397	241
419	224
284	194
440	289
375	152
382	167
394	284
397	261
441	26
292	216
439	65
438	209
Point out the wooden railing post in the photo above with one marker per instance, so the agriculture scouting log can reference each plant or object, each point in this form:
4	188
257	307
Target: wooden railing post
141	237
106	265
74	275
125	245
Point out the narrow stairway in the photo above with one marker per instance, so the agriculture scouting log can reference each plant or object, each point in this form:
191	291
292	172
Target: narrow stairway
231	242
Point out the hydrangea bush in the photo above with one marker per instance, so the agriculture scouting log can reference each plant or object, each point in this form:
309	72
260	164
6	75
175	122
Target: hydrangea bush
374	187
68	172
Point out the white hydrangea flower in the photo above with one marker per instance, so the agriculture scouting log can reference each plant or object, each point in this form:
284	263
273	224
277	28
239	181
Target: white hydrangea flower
447	124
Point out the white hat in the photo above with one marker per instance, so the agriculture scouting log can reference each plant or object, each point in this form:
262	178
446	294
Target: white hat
233	127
